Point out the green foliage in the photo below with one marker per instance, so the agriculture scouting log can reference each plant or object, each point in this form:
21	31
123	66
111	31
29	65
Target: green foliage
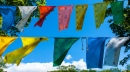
1	70
74	69
70	68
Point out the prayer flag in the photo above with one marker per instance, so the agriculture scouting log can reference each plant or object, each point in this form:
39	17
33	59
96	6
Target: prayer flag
113	50
80	14
25	12
95	51
99	13
61	48
64	13
28	46
5	42
44	11
117	11
7	13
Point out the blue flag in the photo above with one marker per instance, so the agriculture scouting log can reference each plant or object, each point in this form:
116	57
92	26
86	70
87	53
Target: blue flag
7	13
95	52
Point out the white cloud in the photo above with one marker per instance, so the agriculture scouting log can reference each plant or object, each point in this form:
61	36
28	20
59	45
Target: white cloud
79	64
68	57
41	67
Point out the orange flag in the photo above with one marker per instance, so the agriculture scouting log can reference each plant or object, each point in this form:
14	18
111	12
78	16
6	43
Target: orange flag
64	16
44	11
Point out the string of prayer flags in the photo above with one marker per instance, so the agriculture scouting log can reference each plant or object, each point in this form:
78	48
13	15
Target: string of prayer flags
44	11
113	50
61	48
80	14
117	11
5	42
99	13
64	13
95	52
7	13
26	12
28	46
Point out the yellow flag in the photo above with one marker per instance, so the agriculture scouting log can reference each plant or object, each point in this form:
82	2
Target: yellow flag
5	42
28	46
80	14
99	13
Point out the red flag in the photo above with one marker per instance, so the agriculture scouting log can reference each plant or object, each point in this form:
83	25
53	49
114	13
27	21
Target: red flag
44	11
64	16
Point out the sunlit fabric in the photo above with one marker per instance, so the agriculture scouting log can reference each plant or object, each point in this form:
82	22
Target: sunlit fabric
25	12
80	15
64	13
117	11
113	50
28	46
99	13
7	13
5	42
95	51
61	48
44	11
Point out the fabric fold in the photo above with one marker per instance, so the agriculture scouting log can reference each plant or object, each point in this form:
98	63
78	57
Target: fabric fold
80	14
117	11
25	12
28	46
8	13
61	48
95	52
64	13
44	11
5	42
99	13
113	50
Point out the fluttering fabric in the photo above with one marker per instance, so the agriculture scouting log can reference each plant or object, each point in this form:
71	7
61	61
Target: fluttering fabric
99	13
25	12
64	13
80	14
61	48
44	11
5	42
95	52
8	13
113	50
28	46
117	11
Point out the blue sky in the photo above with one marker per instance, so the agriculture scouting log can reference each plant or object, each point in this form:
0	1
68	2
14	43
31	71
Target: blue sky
44	51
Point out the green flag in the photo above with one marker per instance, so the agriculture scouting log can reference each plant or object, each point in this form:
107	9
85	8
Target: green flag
117	11
61	47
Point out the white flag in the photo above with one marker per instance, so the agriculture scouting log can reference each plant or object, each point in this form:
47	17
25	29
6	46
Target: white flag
113	50
25	12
